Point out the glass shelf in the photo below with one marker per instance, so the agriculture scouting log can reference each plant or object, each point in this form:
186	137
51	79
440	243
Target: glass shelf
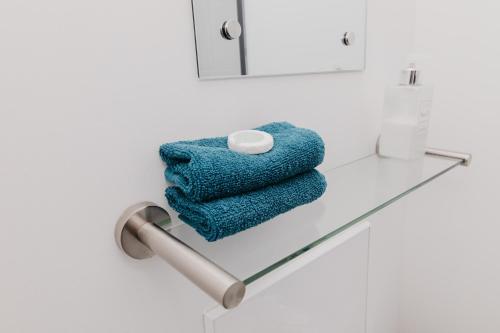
355	191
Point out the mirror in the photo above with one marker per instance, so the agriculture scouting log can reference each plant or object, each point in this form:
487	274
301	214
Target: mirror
238	38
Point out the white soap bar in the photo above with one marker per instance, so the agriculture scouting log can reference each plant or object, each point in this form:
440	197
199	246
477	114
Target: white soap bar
250	142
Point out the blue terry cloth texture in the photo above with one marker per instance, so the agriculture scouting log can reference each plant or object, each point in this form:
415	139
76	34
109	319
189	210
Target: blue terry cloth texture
224	217
220	192
206	169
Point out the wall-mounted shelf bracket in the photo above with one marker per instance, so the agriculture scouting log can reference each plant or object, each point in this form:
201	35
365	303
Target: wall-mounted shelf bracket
464	157
139	235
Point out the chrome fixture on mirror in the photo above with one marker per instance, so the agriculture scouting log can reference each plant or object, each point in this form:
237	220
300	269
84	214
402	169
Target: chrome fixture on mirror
349	38
231	30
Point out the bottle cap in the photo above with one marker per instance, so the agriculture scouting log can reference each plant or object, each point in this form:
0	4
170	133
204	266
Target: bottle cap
410	76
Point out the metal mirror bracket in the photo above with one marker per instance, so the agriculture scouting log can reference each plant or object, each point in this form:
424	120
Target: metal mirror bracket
138	235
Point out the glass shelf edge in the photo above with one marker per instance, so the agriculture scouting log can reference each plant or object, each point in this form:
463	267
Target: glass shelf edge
339	230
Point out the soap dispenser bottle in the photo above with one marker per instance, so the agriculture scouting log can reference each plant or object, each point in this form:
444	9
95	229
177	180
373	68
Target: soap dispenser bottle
407	110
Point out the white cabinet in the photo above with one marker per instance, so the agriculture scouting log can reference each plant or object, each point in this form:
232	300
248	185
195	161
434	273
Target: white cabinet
323	290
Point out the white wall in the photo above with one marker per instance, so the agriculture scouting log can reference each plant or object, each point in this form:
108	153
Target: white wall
89	89
453	249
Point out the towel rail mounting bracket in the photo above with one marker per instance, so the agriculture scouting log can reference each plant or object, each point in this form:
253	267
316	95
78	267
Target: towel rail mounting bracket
138	234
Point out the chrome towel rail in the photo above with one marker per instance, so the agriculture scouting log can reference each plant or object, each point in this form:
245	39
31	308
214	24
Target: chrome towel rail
138	234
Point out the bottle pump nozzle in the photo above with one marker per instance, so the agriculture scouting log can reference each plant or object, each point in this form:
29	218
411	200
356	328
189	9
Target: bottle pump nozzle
410	76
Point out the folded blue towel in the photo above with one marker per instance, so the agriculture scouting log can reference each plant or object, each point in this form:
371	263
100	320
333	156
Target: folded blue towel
227	216
206	169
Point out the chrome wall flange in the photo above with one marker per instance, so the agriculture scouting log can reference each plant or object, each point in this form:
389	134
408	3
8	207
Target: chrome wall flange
128	225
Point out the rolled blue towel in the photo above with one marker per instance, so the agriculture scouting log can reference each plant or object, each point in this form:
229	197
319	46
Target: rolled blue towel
207	169
227	216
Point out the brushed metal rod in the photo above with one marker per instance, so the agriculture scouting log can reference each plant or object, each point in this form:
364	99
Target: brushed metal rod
464	157
139	236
